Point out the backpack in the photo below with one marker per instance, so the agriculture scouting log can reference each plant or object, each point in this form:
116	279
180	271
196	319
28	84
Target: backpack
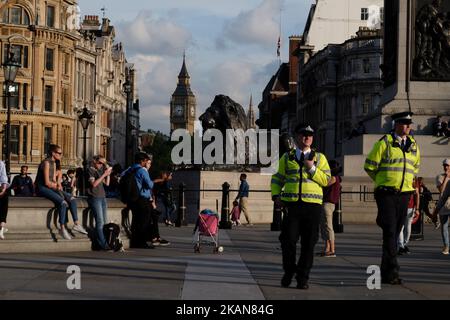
112	236
129	191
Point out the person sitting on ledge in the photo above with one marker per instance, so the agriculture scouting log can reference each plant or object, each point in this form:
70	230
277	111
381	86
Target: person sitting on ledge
48	187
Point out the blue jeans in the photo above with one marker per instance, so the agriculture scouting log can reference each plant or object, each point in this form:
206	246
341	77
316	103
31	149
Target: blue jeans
169	209
98	206
72	206
444	229
58	199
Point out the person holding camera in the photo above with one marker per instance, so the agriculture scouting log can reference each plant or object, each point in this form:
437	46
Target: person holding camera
98	177
155	237
164	193
302	173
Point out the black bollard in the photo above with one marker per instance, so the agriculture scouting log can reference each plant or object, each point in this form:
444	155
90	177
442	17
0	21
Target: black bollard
276	218
181	218
225	223
338	226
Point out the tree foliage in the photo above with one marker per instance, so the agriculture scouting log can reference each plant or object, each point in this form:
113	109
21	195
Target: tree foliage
161	149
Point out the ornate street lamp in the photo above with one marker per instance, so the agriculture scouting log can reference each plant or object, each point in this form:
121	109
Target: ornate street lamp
10	69
85	117
127	90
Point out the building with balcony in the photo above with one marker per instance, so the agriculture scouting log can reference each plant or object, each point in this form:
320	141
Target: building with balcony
42	110
65	67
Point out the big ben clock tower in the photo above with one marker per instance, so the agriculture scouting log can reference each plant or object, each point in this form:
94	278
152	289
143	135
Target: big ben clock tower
183	104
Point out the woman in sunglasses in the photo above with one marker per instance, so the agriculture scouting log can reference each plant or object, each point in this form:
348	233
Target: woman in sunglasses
48	187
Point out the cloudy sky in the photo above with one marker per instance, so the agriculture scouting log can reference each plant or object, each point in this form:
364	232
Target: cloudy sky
230	47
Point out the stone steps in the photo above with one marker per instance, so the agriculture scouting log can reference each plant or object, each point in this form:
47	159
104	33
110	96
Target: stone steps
45	242
32	227
43	245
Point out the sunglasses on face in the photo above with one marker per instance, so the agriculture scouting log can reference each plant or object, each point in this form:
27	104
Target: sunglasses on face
60	153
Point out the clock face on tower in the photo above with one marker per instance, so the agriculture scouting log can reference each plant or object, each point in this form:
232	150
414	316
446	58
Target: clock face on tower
178	111
192	111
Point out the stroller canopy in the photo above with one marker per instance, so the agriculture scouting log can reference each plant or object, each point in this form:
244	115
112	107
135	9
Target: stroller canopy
209	212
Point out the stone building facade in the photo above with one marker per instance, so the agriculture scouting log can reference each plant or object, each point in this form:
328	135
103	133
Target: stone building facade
43	112
110	105
340	87
278	108
65	66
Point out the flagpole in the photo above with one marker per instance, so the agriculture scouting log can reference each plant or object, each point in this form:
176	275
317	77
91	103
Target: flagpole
279	38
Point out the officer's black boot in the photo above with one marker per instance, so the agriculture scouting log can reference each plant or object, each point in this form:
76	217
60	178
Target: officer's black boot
287	279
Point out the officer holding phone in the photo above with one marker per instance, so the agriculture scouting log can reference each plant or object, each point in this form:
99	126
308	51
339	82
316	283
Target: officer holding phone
297	186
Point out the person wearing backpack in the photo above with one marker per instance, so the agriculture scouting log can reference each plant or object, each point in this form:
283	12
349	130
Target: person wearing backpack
98	175
136	191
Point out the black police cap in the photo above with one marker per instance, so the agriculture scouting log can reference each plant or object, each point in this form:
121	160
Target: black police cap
304	129
402	117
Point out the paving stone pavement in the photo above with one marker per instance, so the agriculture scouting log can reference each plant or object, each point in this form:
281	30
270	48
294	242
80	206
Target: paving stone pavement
248	269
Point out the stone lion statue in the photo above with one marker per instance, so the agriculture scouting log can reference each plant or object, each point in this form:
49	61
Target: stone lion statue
224	113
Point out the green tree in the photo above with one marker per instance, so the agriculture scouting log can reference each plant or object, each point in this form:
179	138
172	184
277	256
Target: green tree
161	149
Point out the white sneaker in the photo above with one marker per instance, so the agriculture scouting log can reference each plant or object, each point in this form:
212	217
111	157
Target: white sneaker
1	233
437	225
65	234
79	229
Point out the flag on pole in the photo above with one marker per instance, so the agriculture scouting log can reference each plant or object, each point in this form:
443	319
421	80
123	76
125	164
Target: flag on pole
278	46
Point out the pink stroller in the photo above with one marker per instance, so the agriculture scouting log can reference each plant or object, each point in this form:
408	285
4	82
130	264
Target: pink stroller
207	225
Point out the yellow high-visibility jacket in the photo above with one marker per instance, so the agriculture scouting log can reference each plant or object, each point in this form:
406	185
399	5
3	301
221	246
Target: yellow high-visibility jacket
285	182
389	166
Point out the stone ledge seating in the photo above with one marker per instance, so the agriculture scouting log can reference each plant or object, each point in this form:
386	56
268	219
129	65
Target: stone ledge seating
33	226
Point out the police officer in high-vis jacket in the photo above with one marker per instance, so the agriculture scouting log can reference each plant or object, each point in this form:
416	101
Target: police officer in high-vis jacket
302	172
392	165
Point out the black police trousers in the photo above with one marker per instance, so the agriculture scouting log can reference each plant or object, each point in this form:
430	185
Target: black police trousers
392	210
300	220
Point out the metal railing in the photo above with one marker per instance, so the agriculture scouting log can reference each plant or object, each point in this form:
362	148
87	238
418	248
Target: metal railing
225	223
365	193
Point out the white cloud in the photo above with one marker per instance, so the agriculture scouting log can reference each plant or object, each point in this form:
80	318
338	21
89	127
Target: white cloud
157	79
259	26
147	34
233	78
155	117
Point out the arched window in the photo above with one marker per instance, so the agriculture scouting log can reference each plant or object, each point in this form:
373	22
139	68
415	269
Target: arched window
15	15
